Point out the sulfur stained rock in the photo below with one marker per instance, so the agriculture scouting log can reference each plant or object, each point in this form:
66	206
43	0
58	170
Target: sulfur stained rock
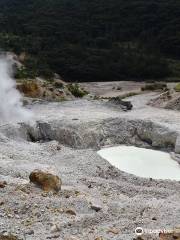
10	237
170	236
30	88
47	181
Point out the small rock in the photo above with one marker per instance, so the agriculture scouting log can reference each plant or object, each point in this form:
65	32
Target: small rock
2	203
55	228
47	181
29	232
98	238
113	230
95	206
54	236
71	212
44	194
3	184
58	148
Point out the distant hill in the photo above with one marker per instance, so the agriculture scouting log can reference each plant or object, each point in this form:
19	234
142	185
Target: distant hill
94	40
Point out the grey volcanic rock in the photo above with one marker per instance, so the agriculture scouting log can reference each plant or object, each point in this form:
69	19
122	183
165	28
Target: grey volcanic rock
124	105
111	131
177	146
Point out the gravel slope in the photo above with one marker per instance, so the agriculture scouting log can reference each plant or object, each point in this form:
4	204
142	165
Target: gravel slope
107	203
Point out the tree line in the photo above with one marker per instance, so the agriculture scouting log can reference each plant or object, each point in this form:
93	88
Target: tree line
97	40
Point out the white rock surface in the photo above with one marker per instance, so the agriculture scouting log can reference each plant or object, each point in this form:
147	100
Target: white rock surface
82	126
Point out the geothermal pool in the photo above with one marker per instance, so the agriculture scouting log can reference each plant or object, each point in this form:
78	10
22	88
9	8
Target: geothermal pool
142	162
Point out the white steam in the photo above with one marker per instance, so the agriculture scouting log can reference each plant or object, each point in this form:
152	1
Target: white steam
11	107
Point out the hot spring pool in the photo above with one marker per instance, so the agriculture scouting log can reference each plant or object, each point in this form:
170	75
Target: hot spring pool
142	162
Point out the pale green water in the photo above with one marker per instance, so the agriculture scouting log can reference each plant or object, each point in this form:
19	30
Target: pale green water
142	162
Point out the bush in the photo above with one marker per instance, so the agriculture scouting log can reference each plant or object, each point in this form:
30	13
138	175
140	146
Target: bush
23	73
154	87
76	90
177	87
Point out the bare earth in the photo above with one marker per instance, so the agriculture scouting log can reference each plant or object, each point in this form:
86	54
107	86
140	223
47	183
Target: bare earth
107	203
110	89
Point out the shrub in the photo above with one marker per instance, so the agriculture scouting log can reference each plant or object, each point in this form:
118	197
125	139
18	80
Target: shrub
76	90
23	72
154	87
177	87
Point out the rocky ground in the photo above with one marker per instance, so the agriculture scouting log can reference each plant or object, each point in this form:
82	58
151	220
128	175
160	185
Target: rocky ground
97	201
168	100
112	89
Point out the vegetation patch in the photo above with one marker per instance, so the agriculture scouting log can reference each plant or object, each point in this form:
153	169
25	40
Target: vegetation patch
177	87
76	90
93	40
154	87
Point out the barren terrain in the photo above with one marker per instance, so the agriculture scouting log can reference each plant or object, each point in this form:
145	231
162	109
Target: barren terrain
104	202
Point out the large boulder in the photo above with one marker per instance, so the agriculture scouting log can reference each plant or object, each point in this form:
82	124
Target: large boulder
125	105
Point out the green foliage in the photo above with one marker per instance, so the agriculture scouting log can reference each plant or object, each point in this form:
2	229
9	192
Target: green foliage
97	40
76	90
33	68
22	73
154	87
177	87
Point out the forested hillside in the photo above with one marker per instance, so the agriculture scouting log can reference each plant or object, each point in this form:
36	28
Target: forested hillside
94	40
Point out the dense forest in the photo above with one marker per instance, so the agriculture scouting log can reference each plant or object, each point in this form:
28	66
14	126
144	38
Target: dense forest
97	40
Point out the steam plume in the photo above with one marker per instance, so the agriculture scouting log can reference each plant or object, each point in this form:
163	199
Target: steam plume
11	107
